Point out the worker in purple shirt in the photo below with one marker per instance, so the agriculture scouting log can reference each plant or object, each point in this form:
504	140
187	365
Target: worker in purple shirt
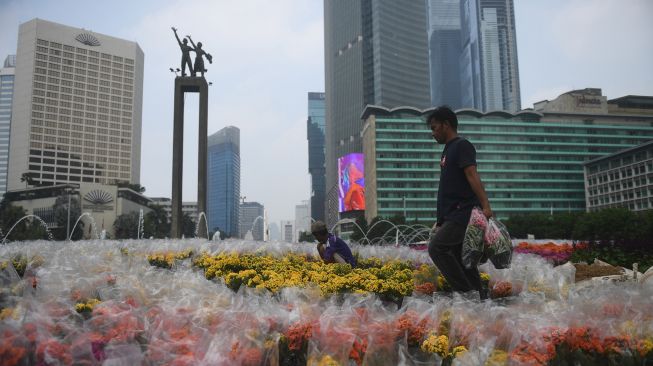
332	249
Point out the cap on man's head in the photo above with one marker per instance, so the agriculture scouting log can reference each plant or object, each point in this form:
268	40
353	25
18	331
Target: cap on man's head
318	227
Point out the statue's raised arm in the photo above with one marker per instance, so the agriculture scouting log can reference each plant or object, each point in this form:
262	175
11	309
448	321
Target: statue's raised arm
191	41
199	53
176	36
185	54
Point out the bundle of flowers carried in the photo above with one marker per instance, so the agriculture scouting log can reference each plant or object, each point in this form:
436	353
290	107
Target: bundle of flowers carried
486	239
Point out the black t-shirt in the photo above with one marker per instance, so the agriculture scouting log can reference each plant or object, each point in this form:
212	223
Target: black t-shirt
455	196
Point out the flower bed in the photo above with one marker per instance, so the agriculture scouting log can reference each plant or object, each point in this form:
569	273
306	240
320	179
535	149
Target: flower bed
240	303
557	253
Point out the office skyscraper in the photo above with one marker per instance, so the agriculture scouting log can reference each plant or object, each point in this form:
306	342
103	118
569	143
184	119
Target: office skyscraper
6	96
316	154
488	61
76	112
444	52
223	196
376	52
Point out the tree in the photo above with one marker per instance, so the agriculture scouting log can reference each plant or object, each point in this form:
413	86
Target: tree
306	236
358	235
126	226
60	209
133	186
156	223
187	226
28	179
379	228
28	229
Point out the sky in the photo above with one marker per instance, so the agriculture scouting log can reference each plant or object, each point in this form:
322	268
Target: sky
268	54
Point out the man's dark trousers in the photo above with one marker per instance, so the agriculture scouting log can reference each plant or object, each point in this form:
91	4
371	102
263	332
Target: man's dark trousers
445	249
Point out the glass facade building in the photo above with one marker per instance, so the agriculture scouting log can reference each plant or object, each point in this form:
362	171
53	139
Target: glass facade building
528	161
223	194
315	126
6	97
444	52
376	52
489	70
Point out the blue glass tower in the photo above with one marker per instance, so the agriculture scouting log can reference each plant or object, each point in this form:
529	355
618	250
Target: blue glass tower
223	204
316	153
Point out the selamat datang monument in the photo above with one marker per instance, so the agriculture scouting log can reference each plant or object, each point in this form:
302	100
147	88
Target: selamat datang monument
189	84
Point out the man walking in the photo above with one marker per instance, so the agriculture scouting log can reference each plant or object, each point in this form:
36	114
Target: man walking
459	191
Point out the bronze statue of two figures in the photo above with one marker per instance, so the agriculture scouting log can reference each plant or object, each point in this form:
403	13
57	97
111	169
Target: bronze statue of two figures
185	56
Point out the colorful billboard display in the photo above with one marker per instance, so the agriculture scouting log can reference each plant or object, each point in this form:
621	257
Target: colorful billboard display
351	182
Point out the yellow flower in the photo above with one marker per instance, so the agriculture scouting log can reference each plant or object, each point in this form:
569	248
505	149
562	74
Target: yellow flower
458	350
6	313
645	346
497	358
485	277
326	360
436	344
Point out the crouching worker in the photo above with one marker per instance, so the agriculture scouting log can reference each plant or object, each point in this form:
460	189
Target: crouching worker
332	249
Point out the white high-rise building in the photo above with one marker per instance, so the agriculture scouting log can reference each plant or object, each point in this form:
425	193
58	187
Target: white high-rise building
76	112
6	96
287	231
302	218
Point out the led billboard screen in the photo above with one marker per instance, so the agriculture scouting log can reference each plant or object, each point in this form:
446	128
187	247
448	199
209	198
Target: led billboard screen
351	182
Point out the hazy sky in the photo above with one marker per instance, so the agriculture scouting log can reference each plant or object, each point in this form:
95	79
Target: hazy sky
269	53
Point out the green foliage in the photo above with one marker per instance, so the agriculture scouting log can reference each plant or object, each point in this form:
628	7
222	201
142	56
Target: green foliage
28	229
60	208
133	186
156	223
187	226
306	237
126	226
615	256
558	226
379	229
616	235
612	224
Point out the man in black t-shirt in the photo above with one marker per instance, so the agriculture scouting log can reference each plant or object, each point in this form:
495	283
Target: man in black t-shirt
460	190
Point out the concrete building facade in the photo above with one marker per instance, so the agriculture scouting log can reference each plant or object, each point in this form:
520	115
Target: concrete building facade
187	208
252	220
104	203
623	179
76	111
6	96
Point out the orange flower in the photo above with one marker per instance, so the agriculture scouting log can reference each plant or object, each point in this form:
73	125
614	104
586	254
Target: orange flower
415	329
426	288
297	334
358	350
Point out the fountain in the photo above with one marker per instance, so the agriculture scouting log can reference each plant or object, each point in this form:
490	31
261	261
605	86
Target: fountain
43	224
141	225
93	226
206	224
216	236
251	231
